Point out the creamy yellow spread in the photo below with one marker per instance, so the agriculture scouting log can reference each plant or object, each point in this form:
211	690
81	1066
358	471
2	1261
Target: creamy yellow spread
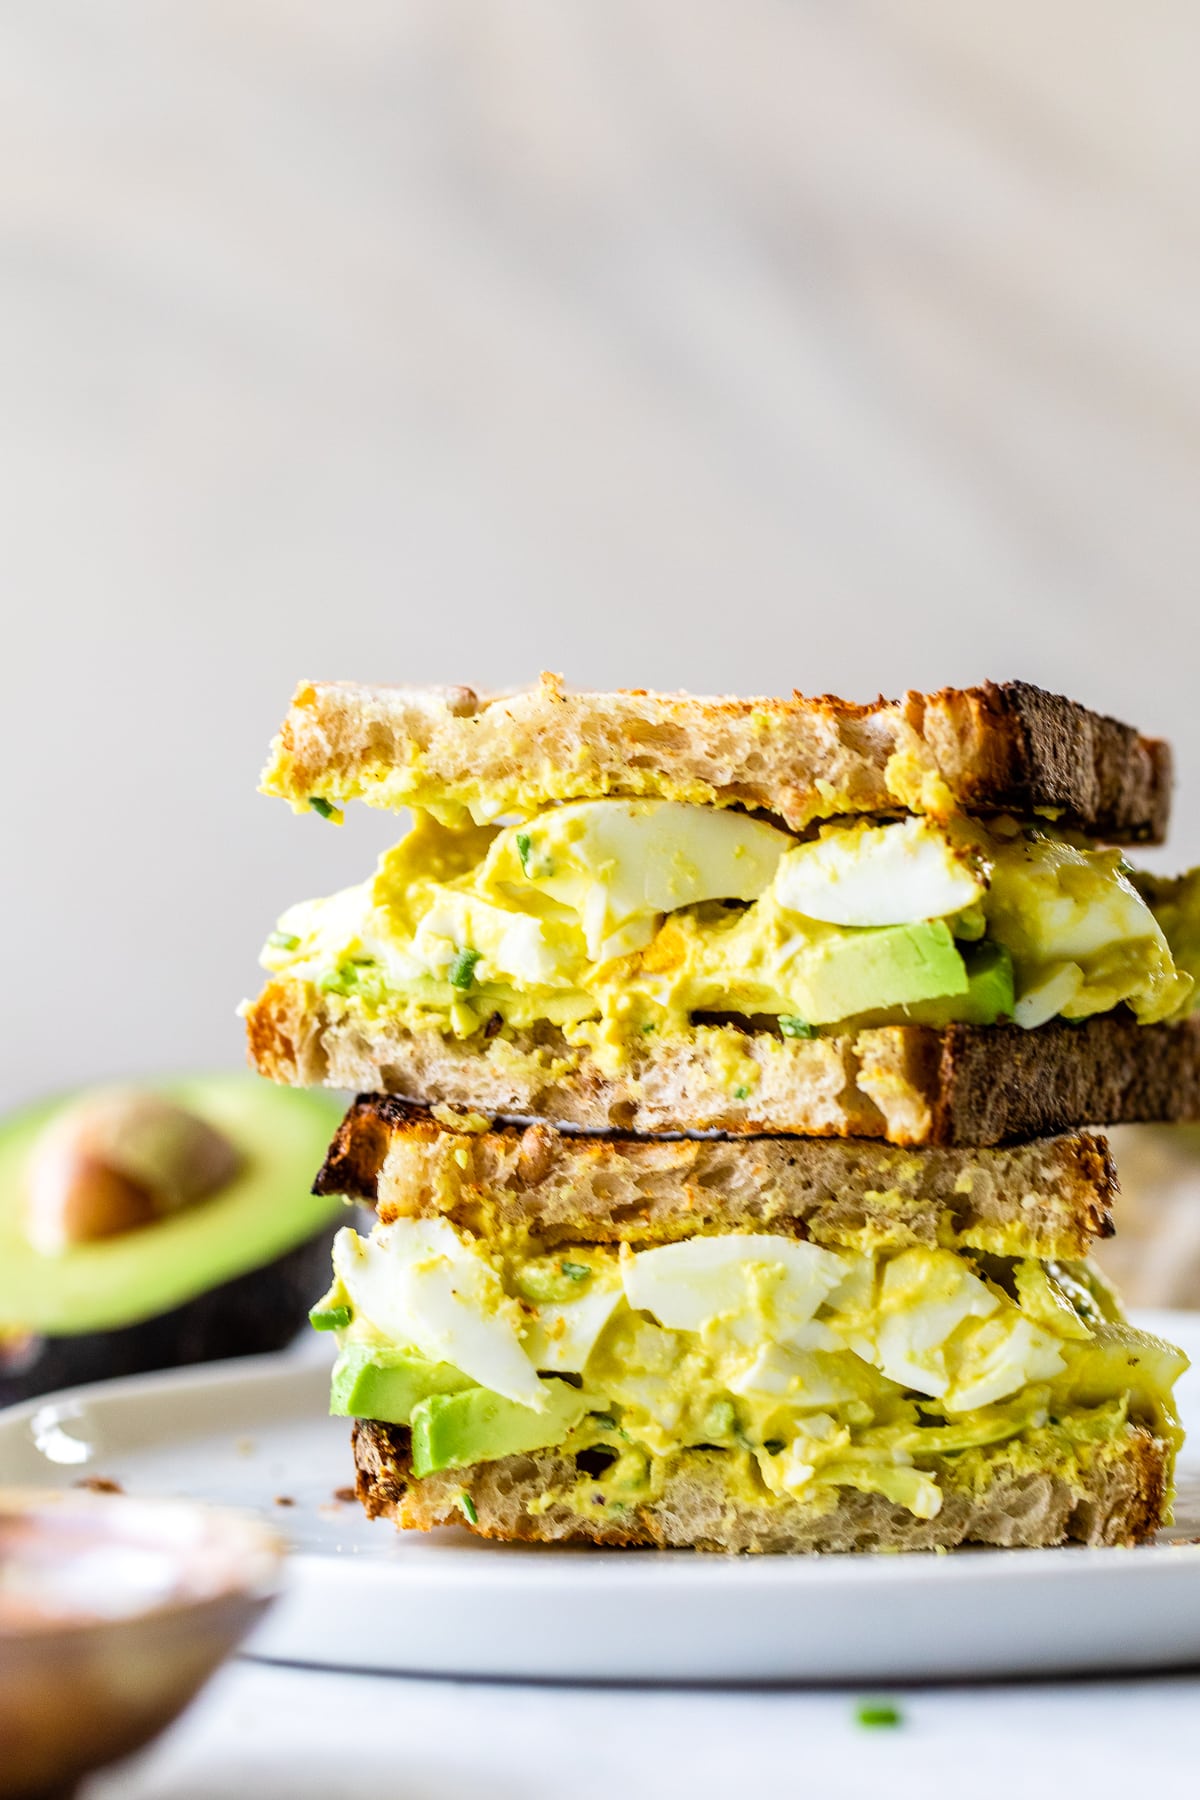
809	1369
615	919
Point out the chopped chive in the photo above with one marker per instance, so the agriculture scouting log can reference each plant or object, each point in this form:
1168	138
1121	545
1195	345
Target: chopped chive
329	1318
462	969
604	1420
283	940
467	1507
647	1029
575	1271
337	981
523	851
793	1027
741	1093
872	1714
325	808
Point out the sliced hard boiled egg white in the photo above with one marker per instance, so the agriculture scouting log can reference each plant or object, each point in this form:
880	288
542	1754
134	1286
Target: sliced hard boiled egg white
511	944
777	1372
879	875
924	1296
794	1468
855	1292
420	1285
621	864
1049	996
766	1285
995	1357
318	930
1081	937
1060	903
646	1374
564	1333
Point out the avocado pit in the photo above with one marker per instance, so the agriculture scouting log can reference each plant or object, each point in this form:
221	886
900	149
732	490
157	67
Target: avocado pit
148	1228
118	1160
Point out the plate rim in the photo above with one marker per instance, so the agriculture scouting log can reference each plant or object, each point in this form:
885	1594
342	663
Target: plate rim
511	1612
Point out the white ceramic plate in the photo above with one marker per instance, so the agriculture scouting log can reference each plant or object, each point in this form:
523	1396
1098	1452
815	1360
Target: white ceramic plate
255	1434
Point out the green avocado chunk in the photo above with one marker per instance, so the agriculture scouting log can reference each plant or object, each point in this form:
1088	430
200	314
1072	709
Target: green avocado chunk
882	966
990	994
265	1211
450	1430
990	991
370	1383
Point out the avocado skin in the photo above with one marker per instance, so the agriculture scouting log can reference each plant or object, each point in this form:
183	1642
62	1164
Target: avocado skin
257	1312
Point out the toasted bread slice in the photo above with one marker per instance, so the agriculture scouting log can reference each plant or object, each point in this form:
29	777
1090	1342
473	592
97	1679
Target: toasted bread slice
1050	1198
1008	747
1109	1493
908	1084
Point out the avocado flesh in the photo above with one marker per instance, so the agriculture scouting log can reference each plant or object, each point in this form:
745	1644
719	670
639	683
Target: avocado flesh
453	1430
989	996
382	1384
1119	1372
891	965
261	1215
251	1315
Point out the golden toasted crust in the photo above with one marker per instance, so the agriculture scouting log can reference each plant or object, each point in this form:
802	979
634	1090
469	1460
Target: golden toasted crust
1112	1493
1008	747
1050	1198
907	1084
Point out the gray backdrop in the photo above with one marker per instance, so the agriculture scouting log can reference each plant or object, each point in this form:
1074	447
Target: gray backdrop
660	342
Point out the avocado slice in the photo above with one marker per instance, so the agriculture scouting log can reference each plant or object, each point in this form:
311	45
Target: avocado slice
261	1216
883	966
451	1430
990	992
374	1383
990	995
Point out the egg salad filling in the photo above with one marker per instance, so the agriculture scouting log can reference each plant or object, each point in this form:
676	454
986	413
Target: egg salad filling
807	1369
617	919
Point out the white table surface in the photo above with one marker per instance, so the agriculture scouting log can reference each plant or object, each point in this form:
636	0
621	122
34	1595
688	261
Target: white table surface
296	1734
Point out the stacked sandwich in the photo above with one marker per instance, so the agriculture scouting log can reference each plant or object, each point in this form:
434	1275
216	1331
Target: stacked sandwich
722	1066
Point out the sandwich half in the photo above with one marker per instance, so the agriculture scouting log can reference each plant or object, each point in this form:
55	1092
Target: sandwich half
651	913
764	1345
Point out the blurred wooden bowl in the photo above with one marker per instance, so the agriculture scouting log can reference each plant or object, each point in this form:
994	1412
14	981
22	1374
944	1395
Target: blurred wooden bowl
114	1611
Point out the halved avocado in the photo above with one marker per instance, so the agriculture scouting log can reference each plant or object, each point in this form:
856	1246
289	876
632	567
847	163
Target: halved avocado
230	1275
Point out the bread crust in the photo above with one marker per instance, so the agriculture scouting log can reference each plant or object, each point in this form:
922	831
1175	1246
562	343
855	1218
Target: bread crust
1050	1198
996	747
1117	1493
907	1084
